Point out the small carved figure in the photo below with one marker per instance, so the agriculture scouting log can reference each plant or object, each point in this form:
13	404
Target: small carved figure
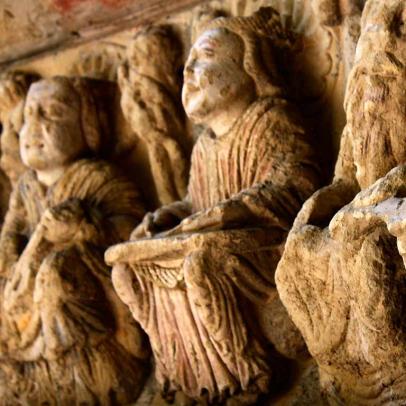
65	336
192	286
347	15
342	276
332	12
150	86
13	91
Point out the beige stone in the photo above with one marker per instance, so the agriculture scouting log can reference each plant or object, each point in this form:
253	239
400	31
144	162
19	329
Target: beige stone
65	336
194	270
342	275
150	87
13	90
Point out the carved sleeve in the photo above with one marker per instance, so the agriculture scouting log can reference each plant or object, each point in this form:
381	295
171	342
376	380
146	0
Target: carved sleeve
345	169
14	232
287	172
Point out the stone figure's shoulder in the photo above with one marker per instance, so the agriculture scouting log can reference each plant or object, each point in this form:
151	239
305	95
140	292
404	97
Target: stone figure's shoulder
26	181
101	183
278	113
271	123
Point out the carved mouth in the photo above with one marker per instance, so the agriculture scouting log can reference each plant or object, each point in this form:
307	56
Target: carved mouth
191	86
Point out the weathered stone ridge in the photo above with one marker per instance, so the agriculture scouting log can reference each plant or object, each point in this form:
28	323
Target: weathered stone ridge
161	204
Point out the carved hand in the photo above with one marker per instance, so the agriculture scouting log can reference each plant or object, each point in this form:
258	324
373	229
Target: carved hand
145	228
224	215
63	222
162	219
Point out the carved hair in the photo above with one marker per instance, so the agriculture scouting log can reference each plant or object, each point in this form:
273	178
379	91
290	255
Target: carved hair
89	115
157	52
260	33
14	88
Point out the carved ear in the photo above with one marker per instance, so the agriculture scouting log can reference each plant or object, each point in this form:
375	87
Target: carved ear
90	123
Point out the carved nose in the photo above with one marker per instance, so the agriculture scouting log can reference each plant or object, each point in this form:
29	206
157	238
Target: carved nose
34	143
189	68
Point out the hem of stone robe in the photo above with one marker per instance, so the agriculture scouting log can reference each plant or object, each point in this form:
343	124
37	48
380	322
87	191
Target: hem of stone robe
198	334
101	375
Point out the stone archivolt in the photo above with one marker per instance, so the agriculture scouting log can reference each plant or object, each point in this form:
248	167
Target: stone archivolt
198	273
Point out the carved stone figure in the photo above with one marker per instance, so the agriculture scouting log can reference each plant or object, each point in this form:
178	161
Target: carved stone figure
65	336
151	103
342	276
347	14
13	91
212	256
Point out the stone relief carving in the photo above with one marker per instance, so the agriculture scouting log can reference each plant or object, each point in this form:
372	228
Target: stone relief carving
99	62
193	269
13	91
342	275
150	86
347	15
173	273
66	338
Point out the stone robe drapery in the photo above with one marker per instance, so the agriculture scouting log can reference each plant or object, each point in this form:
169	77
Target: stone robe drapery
62	325
344	286
193	306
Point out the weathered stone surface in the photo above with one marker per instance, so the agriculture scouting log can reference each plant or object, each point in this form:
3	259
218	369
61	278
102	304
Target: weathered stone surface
342	275
193	268
65	336
32	27
150	88
309	67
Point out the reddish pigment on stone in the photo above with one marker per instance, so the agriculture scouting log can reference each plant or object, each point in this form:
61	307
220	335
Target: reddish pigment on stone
115	3
66	6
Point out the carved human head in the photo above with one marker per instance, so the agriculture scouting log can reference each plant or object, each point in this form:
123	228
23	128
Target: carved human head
232	62
13	90
60	123
381	47
381	50
153	57
156	52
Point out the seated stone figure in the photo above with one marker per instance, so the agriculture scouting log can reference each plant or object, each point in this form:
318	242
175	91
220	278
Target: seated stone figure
342	276
65	337
192	286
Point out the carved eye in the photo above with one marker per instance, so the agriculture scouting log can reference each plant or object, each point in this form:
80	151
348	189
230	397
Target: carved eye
54	111
400	24
29	111
403	22
208	52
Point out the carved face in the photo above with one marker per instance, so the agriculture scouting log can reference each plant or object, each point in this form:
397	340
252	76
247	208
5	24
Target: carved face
51	136
214	75
383	37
